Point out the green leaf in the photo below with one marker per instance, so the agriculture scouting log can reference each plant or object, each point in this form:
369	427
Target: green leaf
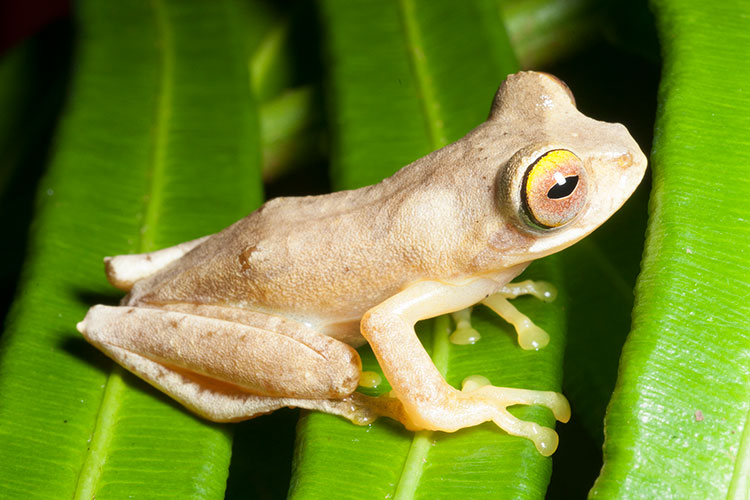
404	77
677	423
398	91
291	131
159	144
543	31
391	63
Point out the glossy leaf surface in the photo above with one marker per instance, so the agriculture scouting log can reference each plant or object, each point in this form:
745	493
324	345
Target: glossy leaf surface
677	423
160	143
159	98
393	100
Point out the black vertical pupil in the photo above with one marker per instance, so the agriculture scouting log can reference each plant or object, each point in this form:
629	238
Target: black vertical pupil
559	191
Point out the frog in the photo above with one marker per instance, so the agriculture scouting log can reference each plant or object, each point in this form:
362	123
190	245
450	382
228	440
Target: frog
268	313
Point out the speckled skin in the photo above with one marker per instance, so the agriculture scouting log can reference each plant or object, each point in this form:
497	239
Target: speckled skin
321	263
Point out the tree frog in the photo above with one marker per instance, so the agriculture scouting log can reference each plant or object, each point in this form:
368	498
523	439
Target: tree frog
268	312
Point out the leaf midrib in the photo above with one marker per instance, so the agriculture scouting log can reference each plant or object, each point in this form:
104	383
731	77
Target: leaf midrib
162	118
422	440
413	468
425	87
739	485
103	431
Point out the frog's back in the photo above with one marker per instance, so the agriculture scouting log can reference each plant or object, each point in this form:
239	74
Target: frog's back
333	255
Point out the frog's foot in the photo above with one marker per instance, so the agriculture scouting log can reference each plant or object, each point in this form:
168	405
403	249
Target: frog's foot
530	336
544	438
474	406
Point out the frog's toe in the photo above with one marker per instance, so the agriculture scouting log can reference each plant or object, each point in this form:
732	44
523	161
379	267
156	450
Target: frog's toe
500	398
545	439
508	396
532	337
561	408
545	291
464	335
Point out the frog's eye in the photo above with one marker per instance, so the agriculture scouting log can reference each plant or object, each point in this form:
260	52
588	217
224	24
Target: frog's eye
554	188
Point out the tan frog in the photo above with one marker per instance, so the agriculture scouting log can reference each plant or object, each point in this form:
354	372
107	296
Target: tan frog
267	312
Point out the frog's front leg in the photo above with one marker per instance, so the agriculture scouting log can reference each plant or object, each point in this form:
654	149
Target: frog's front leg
530	336
428	400
230	364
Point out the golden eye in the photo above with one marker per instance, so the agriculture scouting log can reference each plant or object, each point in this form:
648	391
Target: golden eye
554	188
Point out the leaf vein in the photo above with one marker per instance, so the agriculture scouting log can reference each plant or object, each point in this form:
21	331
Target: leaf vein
425	85
162	118
103	431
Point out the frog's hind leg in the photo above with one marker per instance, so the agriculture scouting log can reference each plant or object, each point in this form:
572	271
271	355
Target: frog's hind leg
221	402
236	366
124	270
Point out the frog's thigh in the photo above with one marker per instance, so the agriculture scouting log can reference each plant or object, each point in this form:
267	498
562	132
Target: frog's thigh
225	353
124	270
226	403
204	396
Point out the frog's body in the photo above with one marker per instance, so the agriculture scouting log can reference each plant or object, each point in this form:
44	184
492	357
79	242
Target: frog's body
250	319
320	265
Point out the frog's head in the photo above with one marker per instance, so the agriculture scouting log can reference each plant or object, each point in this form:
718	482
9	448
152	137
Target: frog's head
567	174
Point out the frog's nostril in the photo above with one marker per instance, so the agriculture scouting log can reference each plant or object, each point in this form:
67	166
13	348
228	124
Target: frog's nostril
624	160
